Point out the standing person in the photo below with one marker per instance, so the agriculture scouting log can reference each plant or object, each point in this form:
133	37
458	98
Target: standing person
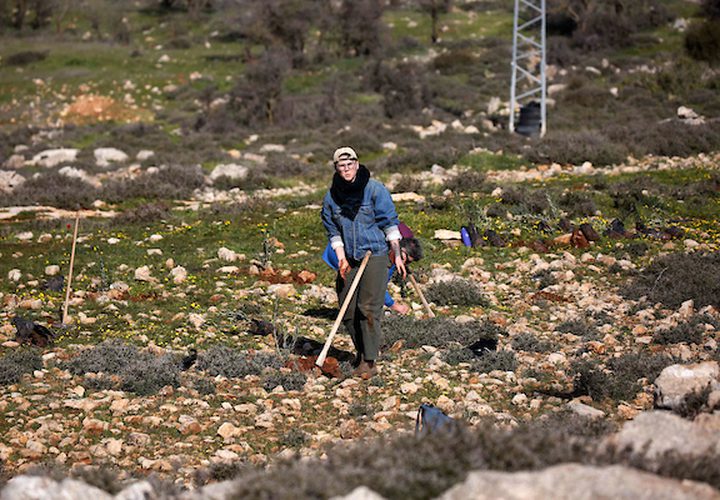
359	216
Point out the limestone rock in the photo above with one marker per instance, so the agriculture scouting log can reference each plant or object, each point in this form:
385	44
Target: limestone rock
105	156
230	170
45	488
282	290
179	274
9	180
573	481
227	255
655	433
227	431
142	273
53	157
677	381
584	410
360	493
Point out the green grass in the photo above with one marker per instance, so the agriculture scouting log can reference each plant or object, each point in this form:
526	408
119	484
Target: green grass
486	160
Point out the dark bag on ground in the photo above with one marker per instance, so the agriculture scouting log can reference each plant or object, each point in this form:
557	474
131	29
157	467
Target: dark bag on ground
432	419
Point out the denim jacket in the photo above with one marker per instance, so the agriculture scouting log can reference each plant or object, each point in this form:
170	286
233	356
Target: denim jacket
375	224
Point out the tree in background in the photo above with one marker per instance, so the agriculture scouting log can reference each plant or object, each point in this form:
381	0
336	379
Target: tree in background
256	97
287	23
361	29
711	9
594	24
435	8
702	40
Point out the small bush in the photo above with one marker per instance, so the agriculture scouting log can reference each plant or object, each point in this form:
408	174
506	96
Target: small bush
18	362
361	408
577	204
205	386
221	360
589	379
457	292
169	183
294	438
26	57
580	328
148	374
110	357
438	332
52	189
695	403
702	41
675	278
690	332
120	366
293	381
495	360
629	368
467	182
458	354
149	212
530	343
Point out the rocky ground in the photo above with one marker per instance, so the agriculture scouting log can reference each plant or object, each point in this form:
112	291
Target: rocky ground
554	305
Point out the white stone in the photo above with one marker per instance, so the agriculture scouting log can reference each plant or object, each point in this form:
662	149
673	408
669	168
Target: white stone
145	154
446	234
196	319
231	170
272	148
142	273
52	270
75	173
14	275
15	162
105	156
179	274
282	290
575	481
584	410
9	180
53	157
227	255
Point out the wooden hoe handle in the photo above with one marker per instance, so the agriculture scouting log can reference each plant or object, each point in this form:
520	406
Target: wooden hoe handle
323	354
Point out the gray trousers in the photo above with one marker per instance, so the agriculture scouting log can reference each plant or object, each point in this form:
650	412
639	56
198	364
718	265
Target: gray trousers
364	313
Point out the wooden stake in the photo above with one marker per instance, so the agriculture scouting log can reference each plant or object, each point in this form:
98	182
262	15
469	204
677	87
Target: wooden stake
323	354
70	273
422	297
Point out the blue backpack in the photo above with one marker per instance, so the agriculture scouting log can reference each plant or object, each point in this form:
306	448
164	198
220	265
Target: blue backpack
432	419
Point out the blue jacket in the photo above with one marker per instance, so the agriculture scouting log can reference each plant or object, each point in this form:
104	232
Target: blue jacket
375	220
331	260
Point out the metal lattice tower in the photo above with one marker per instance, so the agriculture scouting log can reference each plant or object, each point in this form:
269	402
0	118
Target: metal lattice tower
528	59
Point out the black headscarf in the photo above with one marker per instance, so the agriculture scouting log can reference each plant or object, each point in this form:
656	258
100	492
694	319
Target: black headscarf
349	195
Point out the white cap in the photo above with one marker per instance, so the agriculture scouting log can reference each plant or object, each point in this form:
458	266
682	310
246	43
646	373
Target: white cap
344	153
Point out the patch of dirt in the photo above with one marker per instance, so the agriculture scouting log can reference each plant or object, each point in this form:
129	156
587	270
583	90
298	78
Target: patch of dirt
91	108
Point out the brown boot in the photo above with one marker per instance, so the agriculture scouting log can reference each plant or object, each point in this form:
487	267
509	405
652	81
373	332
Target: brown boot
366	370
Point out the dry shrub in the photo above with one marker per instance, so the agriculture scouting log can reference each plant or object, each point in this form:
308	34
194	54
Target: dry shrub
15	364
675	278
221	360
168	183
140	372
528	342
456	292
408	467
438	332
26	57
52	189
702	41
